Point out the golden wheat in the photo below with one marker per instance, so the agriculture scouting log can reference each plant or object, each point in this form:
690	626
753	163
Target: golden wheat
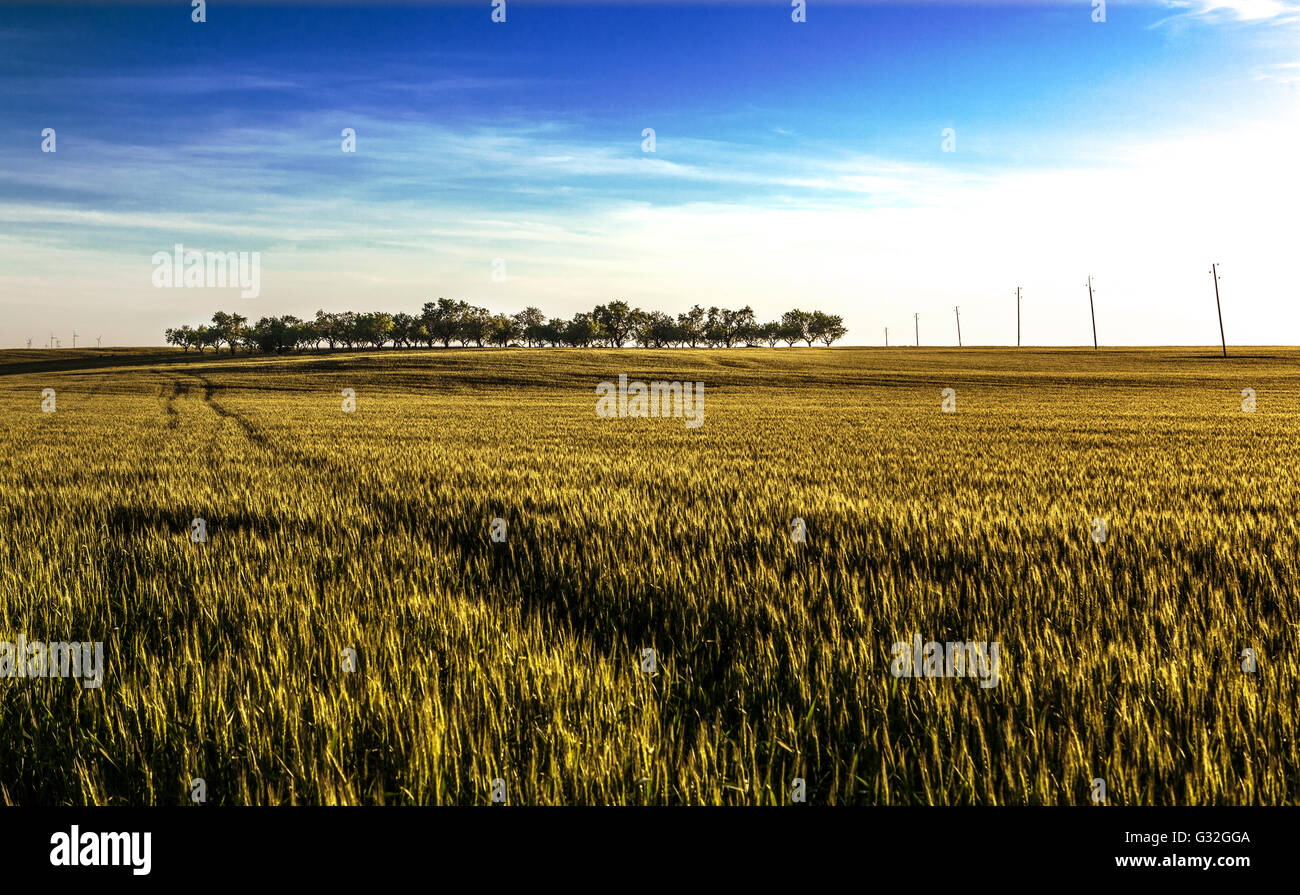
330	531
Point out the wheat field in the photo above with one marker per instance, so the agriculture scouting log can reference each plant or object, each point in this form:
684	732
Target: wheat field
350	632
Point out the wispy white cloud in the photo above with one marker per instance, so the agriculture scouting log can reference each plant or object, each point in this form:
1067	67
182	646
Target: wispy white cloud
580	214
873	239
1239	10
1281	73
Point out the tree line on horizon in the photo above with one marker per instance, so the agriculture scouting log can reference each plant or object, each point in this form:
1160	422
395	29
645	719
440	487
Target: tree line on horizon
445	321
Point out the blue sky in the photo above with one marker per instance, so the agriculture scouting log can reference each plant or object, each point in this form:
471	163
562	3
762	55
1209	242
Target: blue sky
796	164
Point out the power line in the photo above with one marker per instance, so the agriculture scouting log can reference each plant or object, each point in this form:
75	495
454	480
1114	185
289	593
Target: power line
1214	272
1017	316
1093	311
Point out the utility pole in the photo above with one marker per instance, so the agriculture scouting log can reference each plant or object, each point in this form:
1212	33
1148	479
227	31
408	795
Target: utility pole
98	341
918	329
1094	315
886	337
1017	316
74	338
1214	272
956	310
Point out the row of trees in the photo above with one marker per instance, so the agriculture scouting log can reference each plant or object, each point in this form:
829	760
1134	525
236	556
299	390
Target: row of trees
445	321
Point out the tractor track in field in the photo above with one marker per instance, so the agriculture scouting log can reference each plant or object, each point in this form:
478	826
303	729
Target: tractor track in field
179	390
316	470
253	432
247	427
250	429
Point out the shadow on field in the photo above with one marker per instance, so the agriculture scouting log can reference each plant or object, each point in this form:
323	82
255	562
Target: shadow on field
17	363
125	521
701	642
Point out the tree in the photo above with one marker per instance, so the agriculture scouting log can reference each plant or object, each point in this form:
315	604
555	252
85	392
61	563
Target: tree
404	326
692	326
552	332
742	326
292	333
474	325
205	336
327	326
835	331
503	330
715	328
617	321
275	334
530	320
374	329
309	334
794	327
581	331
229	328
658	330
825	327
614	324
346	328
442	320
